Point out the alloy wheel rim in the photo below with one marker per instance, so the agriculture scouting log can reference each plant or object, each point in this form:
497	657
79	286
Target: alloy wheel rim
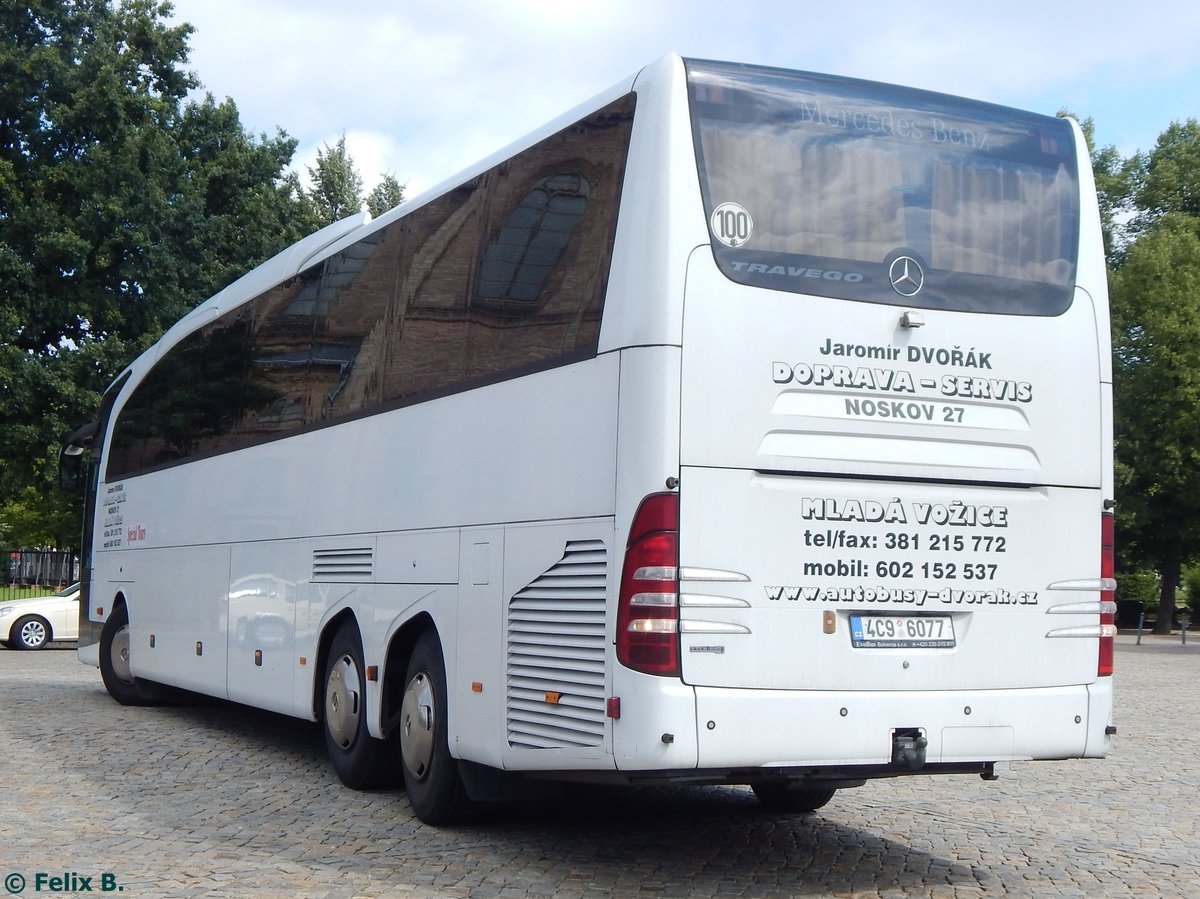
33	633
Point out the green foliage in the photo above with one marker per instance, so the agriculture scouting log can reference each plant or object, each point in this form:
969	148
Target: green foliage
1170	173
337	186
121	207
1141	586
1155	288
236	206
46	397
1156	318
1191	589
387	194
89	93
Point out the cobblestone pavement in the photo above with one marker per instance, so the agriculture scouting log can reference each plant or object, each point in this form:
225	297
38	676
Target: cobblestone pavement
219	800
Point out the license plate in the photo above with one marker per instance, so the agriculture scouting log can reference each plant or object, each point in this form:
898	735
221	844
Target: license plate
902	631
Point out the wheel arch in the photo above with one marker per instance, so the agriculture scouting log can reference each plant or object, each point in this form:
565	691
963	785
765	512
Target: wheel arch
132	690
400	648
119	601
328	631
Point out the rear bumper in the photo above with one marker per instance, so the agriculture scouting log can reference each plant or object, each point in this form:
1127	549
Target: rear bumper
781	728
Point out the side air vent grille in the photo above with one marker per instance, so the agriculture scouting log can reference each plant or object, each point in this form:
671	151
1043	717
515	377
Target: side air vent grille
556	653
340	565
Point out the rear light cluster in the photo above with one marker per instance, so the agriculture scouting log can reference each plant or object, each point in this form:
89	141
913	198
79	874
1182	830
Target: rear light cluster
648	612
1108	607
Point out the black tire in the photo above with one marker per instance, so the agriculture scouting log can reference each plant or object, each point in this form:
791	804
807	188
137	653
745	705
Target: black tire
114	664
780	797
435	788
30	632
360	760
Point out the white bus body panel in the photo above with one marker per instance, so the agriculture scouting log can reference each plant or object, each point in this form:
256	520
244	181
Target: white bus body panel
803	571
837	464
787	382
282	527
661	217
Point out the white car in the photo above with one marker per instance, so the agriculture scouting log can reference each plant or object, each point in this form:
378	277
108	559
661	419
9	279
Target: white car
32	623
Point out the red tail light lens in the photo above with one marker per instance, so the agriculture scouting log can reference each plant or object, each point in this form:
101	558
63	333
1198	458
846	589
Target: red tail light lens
1108	618
648	611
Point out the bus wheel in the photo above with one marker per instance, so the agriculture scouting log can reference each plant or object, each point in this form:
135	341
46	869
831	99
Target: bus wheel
114	660
431	777
357	757
779	797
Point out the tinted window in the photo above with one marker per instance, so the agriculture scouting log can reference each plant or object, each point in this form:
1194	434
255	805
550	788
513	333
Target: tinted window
518	261
842	188
501	276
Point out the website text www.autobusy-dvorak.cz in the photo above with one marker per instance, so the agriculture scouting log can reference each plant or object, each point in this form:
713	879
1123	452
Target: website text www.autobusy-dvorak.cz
905	596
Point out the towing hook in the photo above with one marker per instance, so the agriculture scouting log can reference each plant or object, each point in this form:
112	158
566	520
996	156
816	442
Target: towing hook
908	749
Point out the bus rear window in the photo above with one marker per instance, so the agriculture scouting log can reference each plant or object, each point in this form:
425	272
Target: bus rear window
843	188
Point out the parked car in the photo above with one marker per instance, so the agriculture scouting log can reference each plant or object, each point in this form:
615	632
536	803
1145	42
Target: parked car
34	622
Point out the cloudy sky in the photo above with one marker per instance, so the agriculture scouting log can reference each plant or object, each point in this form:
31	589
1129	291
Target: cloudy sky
424	88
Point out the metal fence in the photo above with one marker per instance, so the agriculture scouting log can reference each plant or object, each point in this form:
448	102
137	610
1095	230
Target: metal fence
31	571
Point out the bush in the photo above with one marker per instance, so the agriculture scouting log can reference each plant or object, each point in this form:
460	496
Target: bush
1139	585
1191	589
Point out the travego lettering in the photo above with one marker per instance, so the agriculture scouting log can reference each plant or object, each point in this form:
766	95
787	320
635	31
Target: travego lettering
791	271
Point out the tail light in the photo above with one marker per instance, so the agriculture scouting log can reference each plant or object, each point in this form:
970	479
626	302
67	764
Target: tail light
1108	607
648	611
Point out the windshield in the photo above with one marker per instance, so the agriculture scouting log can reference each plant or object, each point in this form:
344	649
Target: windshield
843	188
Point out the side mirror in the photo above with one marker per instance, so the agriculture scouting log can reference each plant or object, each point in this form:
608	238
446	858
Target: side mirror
70	468
71	456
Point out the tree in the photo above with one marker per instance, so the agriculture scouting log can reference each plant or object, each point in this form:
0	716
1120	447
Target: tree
121	207
387	194
1155	287
336	185
1156	349
1170	174
88	93
237	204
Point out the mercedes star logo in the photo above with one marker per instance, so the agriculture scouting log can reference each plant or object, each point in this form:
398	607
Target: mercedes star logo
906	276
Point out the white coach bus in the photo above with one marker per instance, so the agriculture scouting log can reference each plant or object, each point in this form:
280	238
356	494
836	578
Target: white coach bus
743	426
